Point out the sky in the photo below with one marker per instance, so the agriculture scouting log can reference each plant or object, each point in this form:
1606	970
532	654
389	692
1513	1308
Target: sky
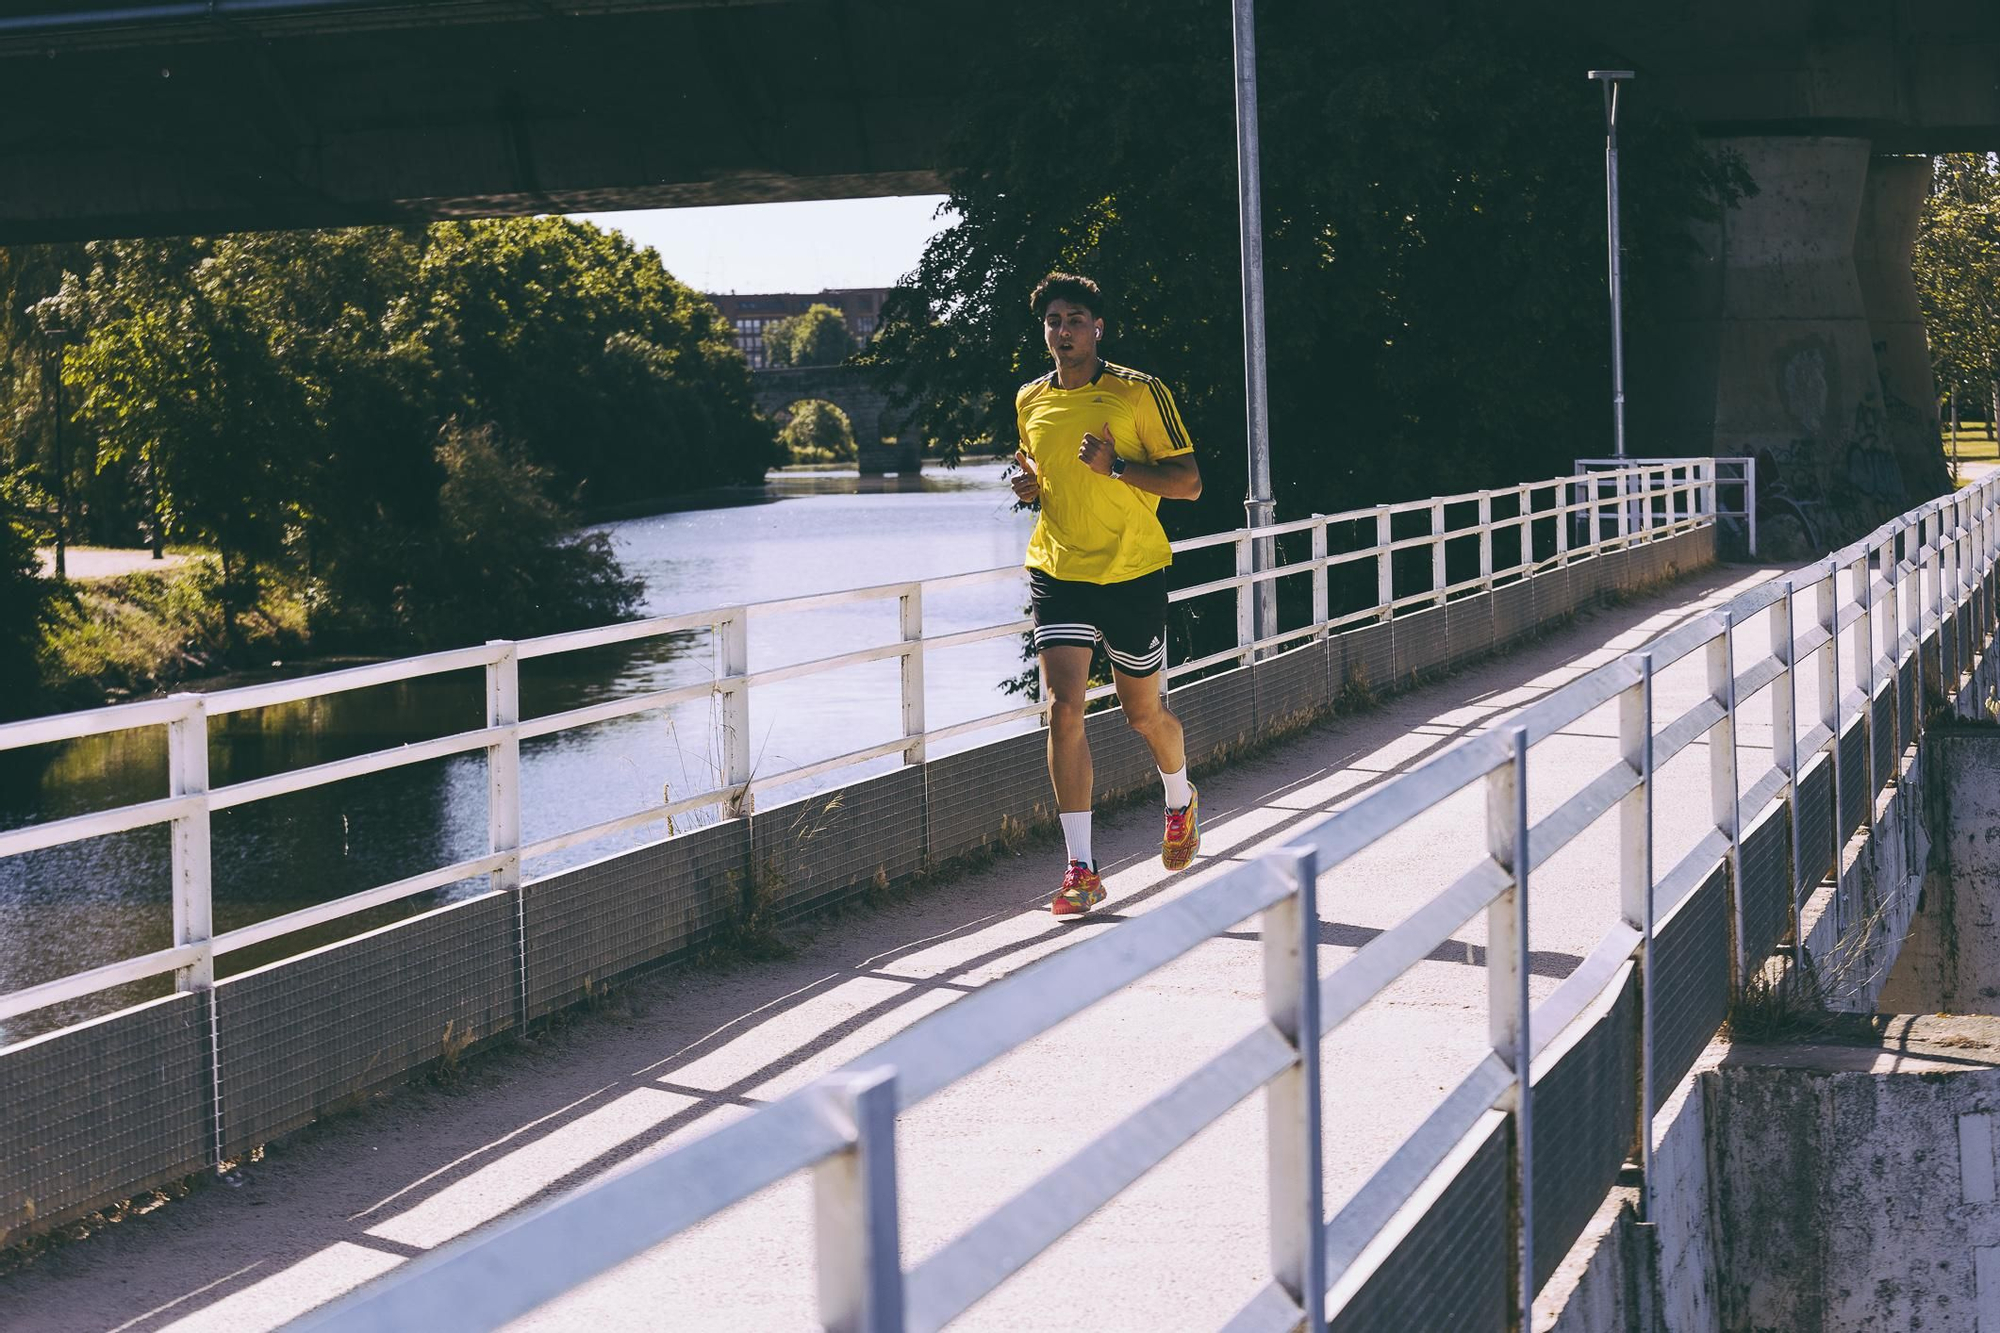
801	247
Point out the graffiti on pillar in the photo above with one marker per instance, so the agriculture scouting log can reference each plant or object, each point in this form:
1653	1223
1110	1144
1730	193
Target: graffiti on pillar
1871	467
1776	505
1791	495
1836	470
1910	432
1803	383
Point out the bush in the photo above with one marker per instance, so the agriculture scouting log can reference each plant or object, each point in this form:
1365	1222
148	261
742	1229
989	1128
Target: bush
143	632
503	561
25	605
818	432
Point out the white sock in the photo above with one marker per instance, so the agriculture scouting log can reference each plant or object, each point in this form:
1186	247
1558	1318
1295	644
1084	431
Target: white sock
1179	790
1076	832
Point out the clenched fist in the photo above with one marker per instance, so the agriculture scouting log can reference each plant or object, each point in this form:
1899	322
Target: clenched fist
1096	454
1027	486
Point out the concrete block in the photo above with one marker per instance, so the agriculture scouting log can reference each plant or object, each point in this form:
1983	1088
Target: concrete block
1951	957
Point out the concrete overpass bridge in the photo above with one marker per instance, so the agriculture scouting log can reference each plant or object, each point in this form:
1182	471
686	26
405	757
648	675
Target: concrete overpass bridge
1489	911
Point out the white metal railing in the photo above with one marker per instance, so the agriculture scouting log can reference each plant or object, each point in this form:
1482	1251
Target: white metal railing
1879	601
1679	495
1735	486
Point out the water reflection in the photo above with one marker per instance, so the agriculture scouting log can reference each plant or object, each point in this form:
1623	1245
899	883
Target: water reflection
70	908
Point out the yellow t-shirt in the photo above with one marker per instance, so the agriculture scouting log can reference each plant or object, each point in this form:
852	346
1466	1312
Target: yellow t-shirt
1093	528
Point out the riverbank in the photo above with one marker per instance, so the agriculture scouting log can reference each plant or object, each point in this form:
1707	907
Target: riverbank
127	635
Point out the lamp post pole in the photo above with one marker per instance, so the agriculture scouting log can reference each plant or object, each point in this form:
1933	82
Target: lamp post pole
1258	504
1611	78
59	336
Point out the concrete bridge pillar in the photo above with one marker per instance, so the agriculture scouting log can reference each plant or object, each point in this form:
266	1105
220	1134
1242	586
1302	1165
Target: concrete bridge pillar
1798	341
1892	206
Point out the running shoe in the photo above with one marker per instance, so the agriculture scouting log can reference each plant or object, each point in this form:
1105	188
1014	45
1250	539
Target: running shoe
1081	891
1183	836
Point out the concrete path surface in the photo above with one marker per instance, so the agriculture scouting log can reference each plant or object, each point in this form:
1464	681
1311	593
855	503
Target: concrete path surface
107	562
1182	1250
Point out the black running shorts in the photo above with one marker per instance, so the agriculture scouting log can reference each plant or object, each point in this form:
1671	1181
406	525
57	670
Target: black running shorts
1130	617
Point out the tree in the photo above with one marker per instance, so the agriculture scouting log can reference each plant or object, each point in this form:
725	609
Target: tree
24	607
174	368
1433	254
819	432
29	276
584	352
1957	268
500	534
818	337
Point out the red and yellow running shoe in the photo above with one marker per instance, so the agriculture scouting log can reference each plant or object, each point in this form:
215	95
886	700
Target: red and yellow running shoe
1183	836
1081	890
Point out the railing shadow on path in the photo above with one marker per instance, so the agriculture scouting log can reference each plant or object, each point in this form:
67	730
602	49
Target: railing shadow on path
177	1266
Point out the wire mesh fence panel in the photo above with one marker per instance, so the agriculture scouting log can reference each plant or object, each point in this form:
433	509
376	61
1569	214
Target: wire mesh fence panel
1691	996
1585	1109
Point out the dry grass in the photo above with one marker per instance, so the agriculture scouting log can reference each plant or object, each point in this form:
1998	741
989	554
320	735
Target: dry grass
140	633
1975	444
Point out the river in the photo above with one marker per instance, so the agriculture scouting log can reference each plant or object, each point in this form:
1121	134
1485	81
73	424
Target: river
80	906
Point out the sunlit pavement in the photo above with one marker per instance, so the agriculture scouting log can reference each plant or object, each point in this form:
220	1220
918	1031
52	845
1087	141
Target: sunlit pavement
1183	1249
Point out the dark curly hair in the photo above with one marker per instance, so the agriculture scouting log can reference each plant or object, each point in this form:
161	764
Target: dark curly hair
1071	287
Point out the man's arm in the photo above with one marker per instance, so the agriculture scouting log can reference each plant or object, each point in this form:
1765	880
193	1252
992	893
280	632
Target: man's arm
1174	478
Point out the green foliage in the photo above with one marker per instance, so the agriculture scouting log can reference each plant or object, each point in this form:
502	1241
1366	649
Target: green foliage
502	561
1434	249
819	432
818	337
146	631
29	275
397	421
609	374
1956	263
25	607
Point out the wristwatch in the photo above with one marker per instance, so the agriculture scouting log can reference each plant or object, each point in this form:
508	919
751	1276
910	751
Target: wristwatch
1117	467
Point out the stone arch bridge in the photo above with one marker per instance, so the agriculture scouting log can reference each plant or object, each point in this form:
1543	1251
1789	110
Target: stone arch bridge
855	390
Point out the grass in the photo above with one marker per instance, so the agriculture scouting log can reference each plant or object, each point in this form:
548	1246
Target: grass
1975	443
138	633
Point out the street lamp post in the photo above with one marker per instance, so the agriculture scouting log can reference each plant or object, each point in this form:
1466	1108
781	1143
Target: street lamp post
58	336
1258	504
1611	78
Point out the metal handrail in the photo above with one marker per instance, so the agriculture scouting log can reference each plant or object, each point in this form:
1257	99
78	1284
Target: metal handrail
1685	501
842	1127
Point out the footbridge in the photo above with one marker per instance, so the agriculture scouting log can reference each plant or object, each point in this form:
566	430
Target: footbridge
1525	788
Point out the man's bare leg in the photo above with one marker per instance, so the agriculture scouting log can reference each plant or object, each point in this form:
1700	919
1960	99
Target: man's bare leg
1146	709
1065	677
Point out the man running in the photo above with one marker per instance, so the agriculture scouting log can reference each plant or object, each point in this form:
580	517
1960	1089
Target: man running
1101	445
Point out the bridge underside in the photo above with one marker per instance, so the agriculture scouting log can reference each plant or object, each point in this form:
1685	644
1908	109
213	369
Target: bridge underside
1797	339
325	114
157	118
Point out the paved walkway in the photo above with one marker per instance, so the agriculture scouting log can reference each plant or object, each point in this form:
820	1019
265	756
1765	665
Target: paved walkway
84	563
1184	1249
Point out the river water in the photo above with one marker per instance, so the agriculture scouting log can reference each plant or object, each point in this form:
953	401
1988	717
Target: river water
80	906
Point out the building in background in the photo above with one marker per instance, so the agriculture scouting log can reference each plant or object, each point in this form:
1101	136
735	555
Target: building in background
748	314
